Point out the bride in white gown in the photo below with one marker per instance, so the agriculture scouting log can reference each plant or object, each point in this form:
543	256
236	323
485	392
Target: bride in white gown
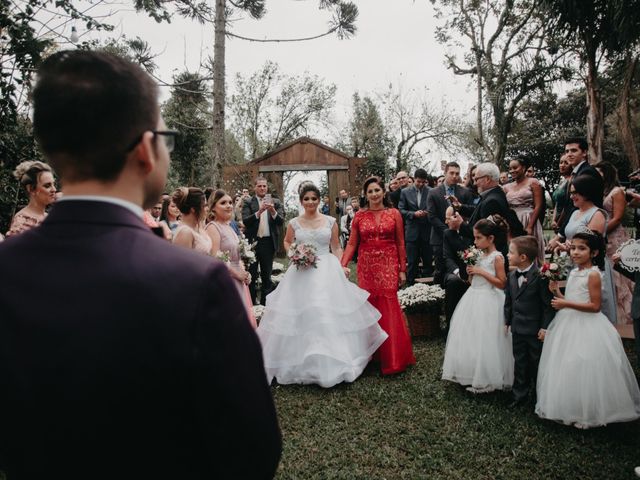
317	326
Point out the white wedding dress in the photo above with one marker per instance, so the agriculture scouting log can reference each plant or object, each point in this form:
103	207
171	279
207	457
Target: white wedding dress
479	353
317	327
584	376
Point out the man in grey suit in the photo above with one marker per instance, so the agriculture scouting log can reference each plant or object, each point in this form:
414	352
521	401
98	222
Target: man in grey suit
417	230
437	204
123	356
262	216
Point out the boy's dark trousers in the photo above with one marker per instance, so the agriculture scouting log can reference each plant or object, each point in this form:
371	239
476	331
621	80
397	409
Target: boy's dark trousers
526	356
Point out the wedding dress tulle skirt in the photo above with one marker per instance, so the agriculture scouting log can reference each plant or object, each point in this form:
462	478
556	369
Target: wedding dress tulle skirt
584	376
479	353
318	327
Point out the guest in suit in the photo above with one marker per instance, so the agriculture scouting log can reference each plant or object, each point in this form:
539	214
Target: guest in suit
575	152
456	280
262	216
437	204
341	203
527	312
417	229
113	377
402	180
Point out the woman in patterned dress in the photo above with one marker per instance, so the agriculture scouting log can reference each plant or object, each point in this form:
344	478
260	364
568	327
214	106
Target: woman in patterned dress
37	178
377	233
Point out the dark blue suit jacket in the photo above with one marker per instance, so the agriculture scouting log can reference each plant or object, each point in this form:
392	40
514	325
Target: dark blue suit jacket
414	228
123	356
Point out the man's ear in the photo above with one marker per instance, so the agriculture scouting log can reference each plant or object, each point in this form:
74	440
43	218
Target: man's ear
145	154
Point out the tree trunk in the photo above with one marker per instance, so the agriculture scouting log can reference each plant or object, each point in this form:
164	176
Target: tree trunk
623	113
595	113
218	159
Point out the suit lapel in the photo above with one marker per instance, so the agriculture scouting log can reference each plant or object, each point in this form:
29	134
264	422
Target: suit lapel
529	279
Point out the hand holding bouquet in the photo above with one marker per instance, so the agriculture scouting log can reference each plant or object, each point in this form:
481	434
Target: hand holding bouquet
470	256
556	269
303	255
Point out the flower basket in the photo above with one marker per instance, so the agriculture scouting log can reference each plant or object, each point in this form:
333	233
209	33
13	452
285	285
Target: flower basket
422	306
423	324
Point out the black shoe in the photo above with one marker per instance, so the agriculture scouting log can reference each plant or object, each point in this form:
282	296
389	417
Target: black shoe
516	403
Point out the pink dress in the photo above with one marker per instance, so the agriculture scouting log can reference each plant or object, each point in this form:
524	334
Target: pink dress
201	241
21	223
229	242
521	200
623	286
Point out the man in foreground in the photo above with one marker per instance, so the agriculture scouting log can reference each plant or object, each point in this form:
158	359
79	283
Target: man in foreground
121	356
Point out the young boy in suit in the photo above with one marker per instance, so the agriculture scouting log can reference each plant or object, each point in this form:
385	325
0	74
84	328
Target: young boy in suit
528	312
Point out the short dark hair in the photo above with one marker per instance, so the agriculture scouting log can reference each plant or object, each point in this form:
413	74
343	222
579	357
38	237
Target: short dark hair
421	173
581	141
88	109
526	245
260	178
590	187
451	164
526	163
309	187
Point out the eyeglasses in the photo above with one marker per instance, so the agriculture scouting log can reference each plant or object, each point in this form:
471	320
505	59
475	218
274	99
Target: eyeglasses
169	137
478	178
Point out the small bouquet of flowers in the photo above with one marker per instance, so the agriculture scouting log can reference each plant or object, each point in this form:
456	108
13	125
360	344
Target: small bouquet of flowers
223	256
246	251
471	255
303	255
556	269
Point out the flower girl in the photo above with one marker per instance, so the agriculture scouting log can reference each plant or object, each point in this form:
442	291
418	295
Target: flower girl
585	378
479	351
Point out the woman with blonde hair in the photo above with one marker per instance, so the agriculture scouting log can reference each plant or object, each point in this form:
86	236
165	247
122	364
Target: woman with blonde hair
37	178
225	240
190	233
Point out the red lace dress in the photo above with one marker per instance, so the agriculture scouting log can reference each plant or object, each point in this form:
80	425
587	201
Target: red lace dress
379	238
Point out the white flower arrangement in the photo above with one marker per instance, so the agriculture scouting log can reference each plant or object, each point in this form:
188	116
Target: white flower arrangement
276	279
421	297
277	267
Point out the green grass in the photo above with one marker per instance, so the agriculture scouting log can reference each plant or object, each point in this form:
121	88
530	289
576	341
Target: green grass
414	425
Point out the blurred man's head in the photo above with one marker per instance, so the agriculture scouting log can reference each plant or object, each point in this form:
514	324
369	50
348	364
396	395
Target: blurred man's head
97	120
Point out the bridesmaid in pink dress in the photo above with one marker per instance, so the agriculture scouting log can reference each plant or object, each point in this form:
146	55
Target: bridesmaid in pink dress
190	234
526	197
615	204
224	239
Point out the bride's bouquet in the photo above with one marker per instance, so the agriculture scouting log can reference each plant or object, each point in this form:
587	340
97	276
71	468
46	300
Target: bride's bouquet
556	269
246	251
303	255
471	255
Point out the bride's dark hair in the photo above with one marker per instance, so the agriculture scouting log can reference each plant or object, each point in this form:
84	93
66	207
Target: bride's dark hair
309	187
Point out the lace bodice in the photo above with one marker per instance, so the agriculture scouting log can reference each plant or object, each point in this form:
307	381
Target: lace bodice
320	237
486	263
578	285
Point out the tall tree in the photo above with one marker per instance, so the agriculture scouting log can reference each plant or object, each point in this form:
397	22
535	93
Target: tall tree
414	125
506	53
366	136
270	108
597	31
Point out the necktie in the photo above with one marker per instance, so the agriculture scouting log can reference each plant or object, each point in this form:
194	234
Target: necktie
521	277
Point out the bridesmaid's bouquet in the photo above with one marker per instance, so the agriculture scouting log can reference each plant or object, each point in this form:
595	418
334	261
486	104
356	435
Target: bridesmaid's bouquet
470	256
303	255
246	250
556	269
223	256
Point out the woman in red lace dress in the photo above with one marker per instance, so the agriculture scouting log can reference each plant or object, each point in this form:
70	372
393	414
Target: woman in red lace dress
377	233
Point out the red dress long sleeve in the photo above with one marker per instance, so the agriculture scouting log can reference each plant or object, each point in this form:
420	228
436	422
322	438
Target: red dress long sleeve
379	238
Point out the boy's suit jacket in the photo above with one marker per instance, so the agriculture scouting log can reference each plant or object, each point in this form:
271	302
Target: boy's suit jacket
527	308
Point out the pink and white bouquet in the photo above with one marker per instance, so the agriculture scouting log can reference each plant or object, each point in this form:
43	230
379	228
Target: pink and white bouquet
471	255
303	255
246	250
556	269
